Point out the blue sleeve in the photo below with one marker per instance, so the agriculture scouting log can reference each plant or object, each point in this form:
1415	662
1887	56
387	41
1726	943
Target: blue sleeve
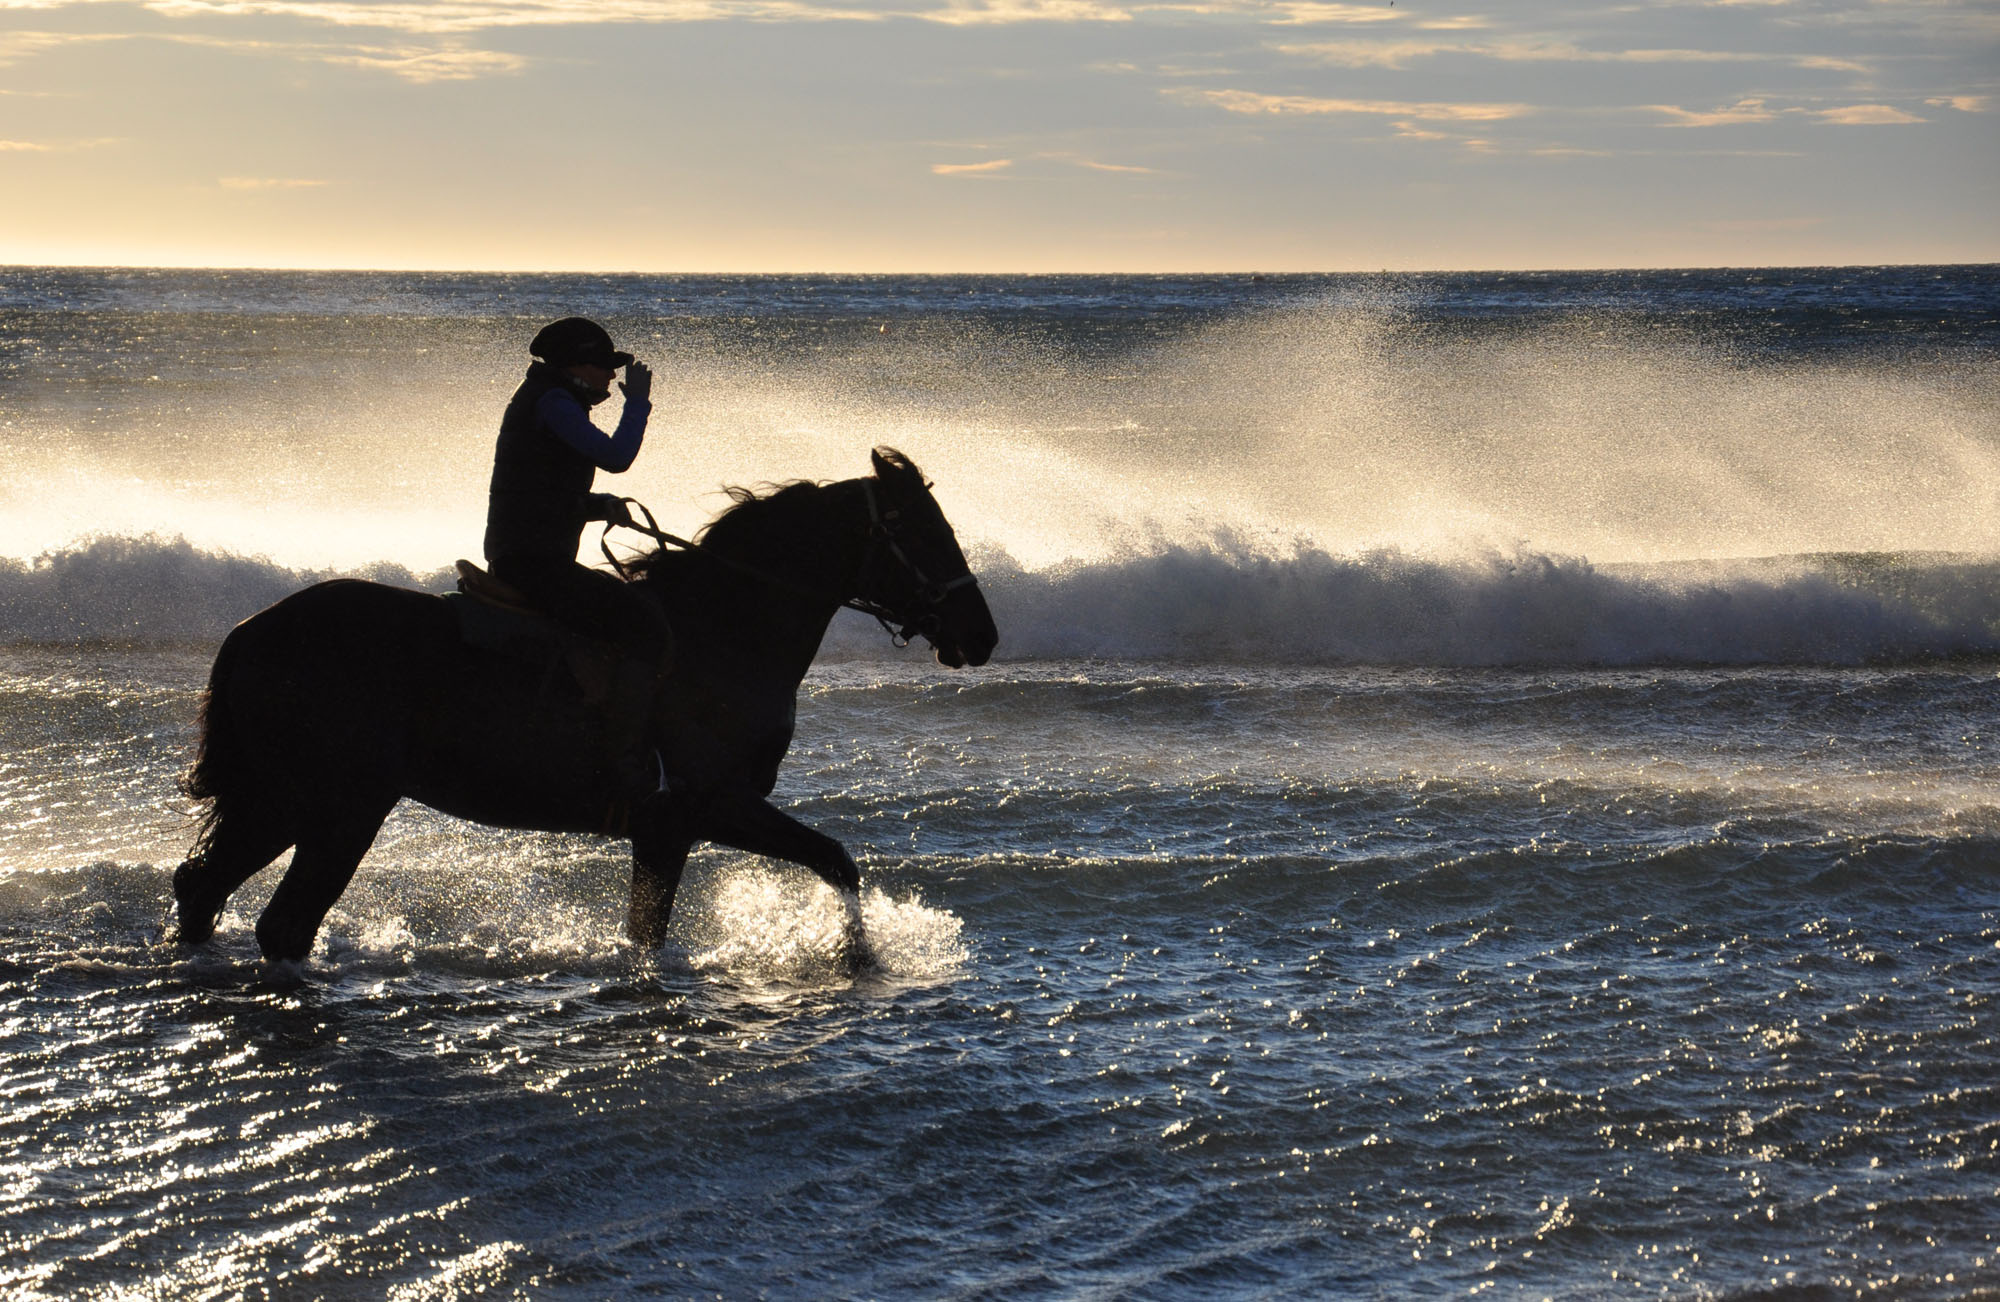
562	413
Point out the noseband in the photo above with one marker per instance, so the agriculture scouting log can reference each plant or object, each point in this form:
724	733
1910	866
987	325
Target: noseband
883	535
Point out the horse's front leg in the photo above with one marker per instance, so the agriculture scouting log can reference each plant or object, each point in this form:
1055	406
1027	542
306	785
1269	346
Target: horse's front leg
748	822
745	821
660	844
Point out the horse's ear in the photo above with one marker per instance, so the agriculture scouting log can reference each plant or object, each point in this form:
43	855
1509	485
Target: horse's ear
887	462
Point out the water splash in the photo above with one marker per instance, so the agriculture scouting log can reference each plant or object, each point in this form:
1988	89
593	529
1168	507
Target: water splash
780	925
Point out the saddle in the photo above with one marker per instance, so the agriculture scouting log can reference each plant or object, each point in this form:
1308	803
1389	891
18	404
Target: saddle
496	618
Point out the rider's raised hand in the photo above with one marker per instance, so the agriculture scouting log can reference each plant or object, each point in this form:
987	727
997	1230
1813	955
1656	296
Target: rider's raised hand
637	385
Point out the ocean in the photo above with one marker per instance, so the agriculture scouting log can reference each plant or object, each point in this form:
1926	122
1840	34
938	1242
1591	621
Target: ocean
1488	786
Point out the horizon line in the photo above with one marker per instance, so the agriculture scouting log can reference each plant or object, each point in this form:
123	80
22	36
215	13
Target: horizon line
357	269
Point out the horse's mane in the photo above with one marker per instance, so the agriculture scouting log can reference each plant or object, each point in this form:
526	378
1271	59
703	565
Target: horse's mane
747	509
749	505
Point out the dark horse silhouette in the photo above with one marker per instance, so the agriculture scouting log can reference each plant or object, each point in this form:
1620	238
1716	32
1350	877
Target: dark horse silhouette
325	709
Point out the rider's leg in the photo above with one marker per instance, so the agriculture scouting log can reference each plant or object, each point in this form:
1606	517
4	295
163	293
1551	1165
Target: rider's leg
604	607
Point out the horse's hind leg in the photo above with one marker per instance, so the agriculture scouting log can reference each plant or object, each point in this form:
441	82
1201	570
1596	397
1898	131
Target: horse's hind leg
321	867
233	851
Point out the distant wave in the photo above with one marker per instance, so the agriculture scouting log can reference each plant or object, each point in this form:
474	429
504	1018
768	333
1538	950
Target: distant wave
1225	600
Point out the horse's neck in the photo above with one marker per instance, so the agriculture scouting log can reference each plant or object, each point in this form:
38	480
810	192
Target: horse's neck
807	566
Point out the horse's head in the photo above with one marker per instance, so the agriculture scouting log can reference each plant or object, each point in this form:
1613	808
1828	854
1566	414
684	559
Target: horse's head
915	574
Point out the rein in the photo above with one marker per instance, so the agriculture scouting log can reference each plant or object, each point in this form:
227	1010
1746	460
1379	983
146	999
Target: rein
881	535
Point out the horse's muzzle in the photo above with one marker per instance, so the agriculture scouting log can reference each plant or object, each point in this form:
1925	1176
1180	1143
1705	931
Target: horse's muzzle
962	631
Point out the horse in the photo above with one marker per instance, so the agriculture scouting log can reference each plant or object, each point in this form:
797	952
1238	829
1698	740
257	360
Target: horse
326	709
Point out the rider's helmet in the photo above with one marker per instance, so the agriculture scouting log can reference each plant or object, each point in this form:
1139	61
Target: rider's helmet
577	339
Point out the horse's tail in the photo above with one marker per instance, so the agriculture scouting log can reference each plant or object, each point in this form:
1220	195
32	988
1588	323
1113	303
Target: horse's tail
217	769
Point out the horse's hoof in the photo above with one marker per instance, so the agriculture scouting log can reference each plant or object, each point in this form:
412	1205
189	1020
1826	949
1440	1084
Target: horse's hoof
285	971
856	955
188	932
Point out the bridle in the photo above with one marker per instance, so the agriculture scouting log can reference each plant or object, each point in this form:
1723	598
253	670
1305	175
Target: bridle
883	535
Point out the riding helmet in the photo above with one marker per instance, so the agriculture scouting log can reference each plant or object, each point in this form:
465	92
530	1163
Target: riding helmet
577	339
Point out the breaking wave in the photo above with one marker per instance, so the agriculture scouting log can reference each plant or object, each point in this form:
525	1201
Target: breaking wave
151	590
1229	601
1224	599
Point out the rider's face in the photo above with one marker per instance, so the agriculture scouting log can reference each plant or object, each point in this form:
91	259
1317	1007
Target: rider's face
597	377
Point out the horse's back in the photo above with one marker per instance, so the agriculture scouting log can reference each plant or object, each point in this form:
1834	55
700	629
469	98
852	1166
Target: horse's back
323	685
352	688
342	609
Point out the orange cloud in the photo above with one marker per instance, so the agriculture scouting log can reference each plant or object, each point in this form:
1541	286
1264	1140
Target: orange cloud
1248	101
1743	110
1866	115
420	65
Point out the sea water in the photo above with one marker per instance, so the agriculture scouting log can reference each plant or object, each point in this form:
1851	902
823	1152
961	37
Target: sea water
1487	787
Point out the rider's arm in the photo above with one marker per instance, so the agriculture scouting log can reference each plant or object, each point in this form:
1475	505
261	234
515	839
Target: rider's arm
566	416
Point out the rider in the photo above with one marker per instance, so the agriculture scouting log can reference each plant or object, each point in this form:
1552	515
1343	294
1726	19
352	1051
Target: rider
544	463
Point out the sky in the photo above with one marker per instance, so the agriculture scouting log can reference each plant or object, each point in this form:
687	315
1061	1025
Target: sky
998	135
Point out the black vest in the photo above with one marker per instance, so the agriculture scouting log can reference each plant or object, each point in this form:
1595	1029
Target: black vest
536	505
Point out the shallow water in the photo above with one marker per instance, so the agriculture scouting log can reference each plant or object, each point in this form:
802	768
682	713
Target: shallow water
1193	981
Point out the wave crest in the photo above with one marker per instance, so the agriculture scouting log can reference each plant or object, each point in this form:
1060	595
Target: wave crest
1230	601
153	590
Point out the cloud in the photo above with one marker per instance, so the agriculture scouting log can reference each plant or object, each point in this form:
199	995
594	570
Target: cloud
1370	54
1963	103
1830	64
1758	110
448	17
1866	115
1247	101
267	183
997	165
428	65
1398	54
439	17
410	62
1301	13
1483	145
1743	110
1411	131
54	146
996	12
16	46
